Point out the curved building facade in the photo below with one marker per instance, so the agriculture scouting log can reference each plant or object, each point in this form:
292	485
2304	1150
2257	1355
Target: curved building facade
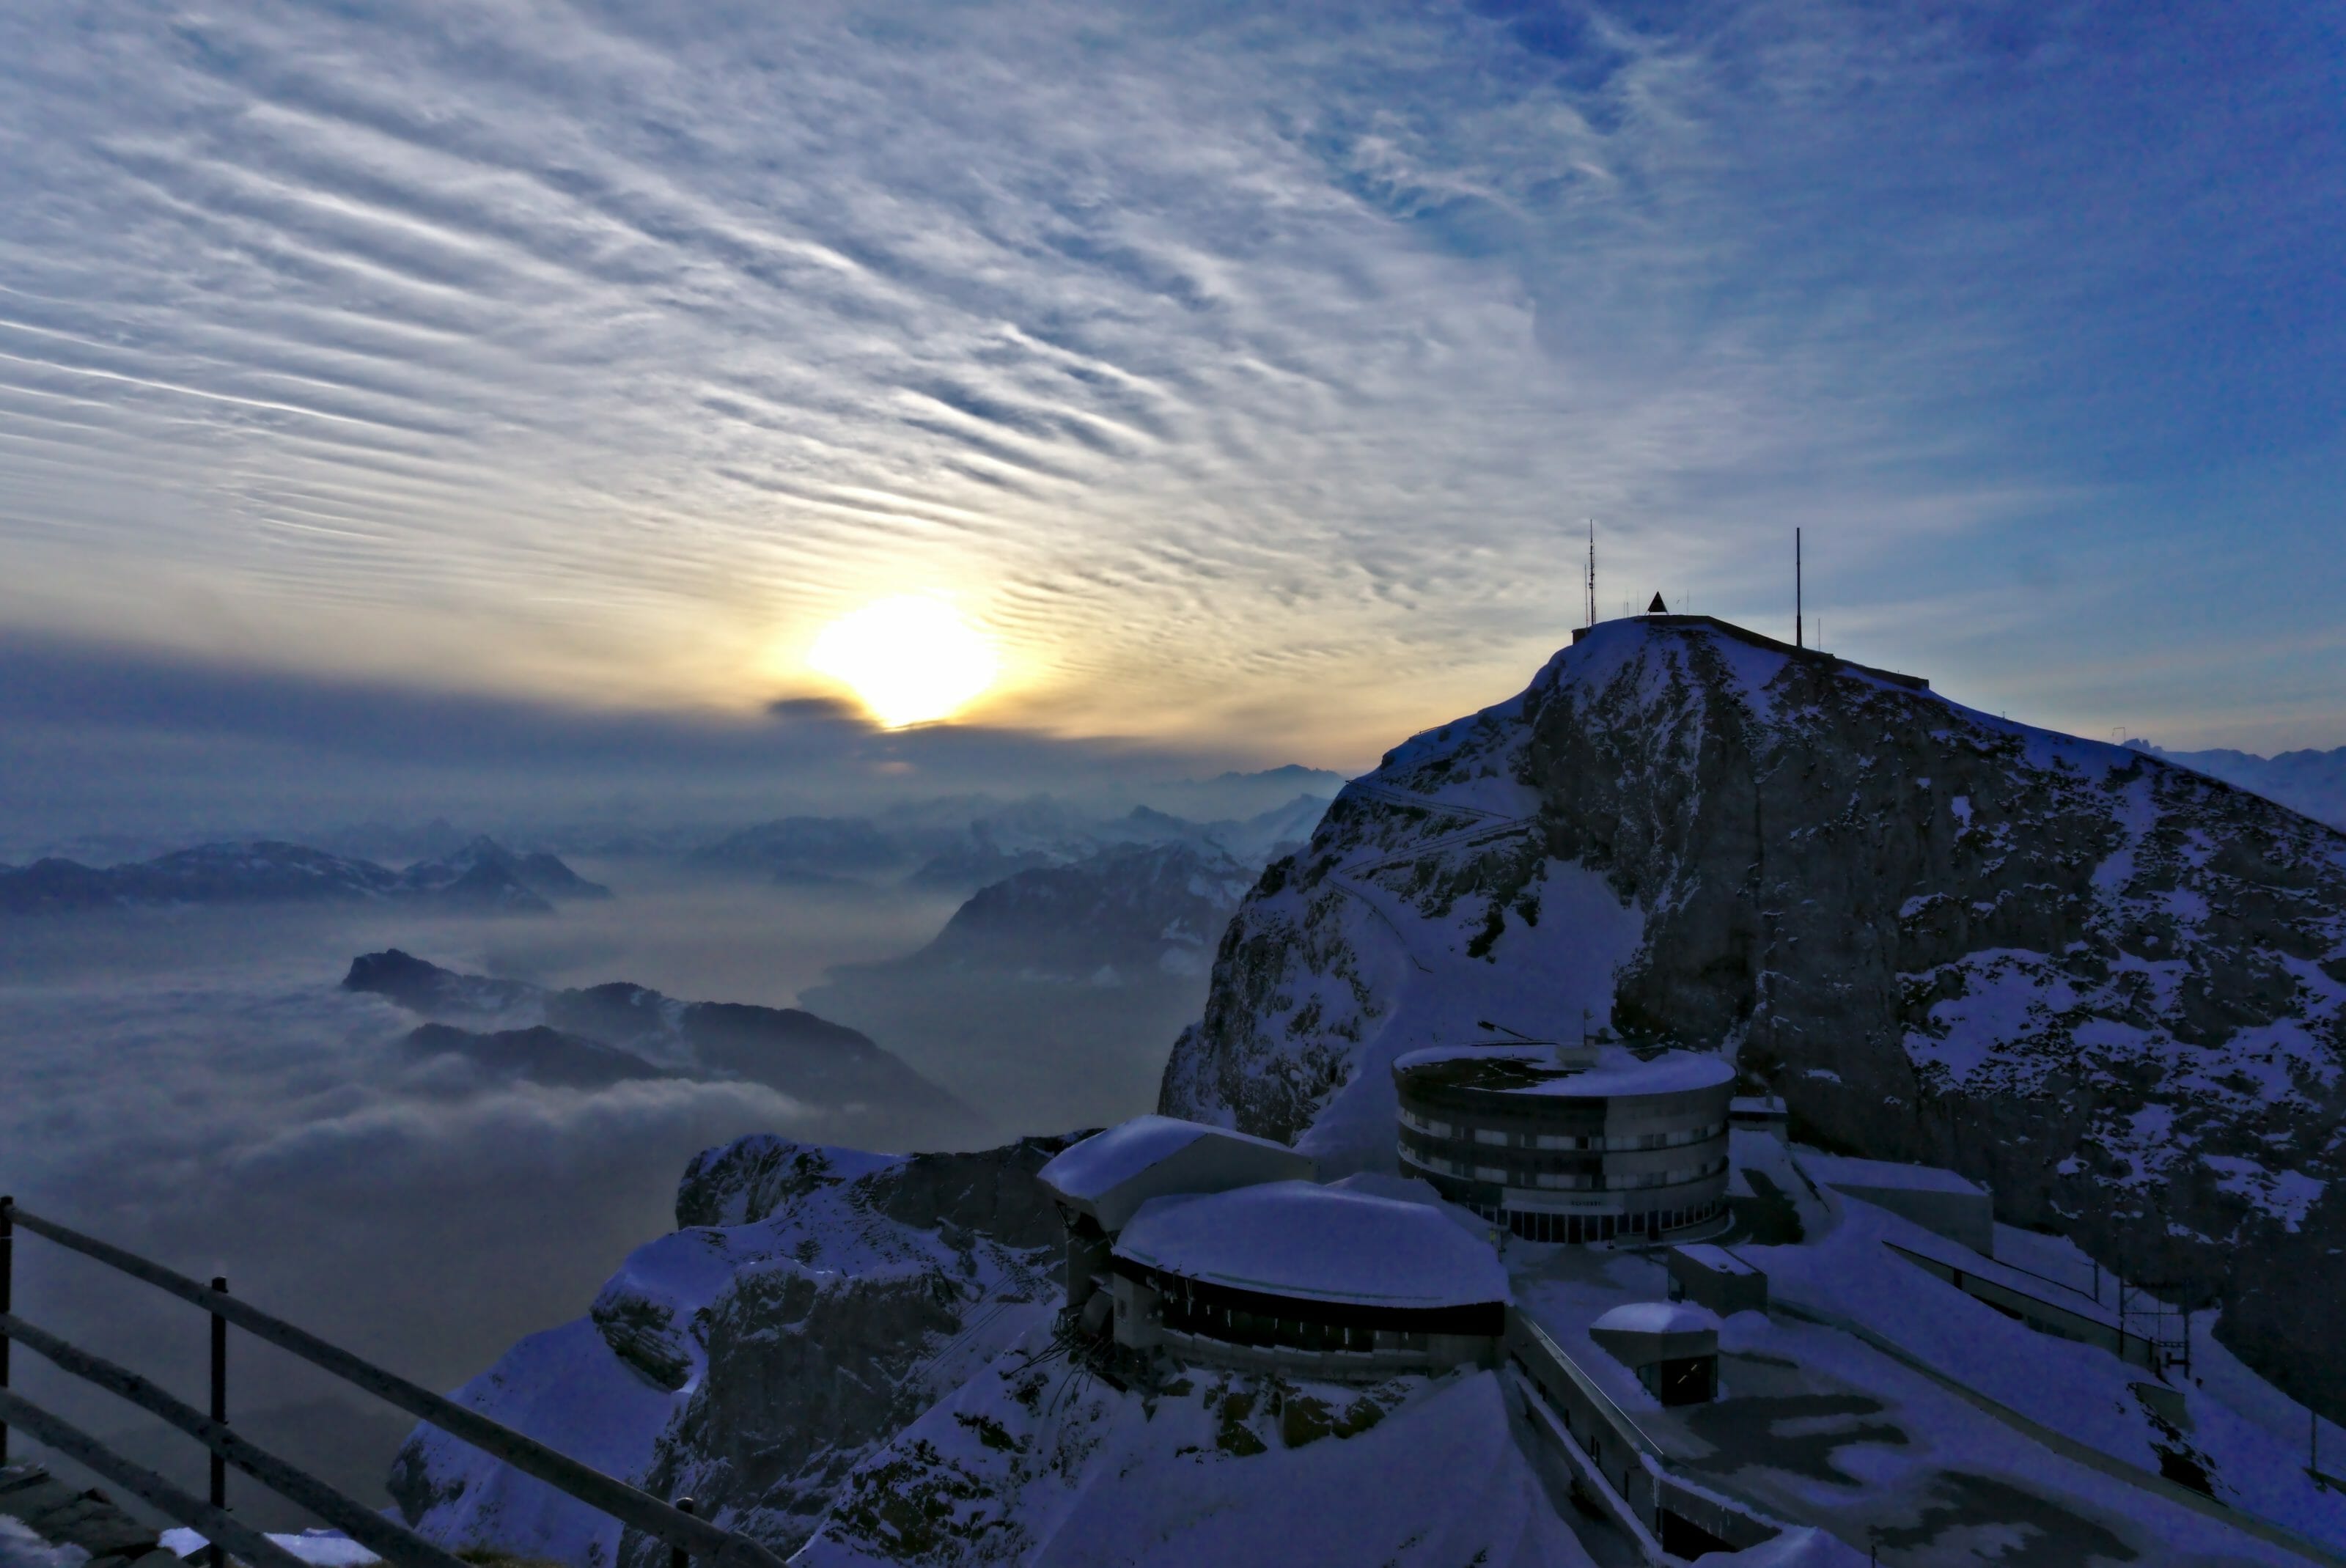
1571	1146
1319	1281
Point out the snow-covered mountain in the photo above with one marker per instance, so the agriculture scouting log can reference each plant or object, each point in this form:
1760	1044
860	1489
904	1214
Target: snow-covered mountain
2313	782
812	1304
2110	987
486	869
1048	997
482	877
971	843
1131	907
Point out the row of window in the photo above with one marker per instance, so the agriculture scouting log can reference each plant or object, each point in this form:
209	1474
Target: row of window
1595	1143
1533	1225
1236	1327
1565	1181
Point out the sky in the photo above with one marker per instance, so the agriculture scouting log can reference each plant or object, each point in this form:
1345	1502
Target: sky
1244	376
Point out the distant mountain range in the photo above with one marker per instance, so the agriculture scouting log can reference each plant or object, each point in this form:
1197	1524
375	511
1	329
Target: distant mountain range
938	845
2313	782
481	877
601	1034
1048	999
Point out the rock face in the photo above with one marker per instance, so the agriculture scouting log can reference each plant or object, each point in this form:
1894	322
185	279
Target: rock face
1034	1460
813	1302
2107	986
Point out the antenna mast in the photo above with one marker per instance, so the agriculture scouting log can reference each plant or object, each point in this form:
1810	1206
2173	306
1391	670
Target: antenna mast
1592	570
1797	641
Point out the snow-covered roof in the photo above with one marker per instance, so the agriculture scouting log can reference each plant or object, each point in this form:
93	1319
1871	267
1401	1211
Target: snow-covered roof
1107	1159
1318	1243
1412	1189
1615	1071
1657	1318
1718	1260
1111	1174
1843	1170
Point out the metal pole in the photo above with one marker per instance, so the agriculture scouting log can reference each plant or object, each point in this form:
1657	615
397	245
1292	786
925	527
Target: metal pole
219	1556
1797	641
677	1555
8	1269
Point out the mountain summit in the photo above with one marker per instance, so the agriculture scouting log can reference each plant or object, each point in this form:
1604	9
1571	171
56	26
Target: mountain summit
2109	987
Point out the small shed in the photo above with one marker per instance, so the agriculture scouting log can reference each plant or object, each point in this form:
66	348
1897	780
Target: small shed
1672	1346
1715	1277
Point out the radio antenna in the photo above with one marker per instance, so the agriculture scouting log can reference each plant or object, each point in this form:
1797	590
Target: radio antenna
1592	572
1797	639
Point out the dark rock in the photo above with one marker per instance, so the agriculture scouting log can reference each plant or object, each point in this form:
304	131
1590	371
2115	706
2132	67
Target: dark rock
540	1055
424	987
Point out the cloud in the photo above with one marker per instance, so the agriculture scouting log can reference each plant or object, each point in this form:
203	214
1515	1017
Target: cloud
1245	373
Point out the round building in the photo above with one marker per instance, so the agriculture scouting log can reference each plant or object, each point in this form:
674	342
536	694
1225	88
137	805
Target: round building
1571	1146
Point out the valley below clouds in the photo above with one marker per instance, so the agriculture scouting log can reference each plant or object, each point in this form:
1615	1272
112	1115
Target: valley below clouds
197	1084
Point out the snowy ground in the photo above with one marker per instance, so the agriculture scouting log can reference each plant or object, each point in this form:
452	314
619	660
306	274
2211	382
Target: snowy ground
1037	1463
1817	1425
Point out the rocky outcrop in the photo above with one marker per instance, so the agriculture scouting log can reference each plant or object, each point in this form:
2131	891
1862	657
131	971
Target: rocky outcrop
540	1055
812	1304
611	1026
2110	987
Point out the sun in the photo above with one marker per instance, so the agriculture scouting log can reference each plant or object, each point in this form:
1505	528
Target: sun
909	659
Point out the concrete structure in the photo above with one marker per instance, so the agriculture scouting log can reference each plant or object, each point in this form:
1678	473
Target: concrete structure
1314	1281
1939	1201
1672	1346
1571	1144
1101	1183
1631	1464
1760	1114
1715	1277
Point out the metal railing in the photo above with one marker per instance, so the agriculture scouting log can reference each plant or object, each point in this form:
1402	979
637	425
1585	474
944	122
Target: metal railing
686	1535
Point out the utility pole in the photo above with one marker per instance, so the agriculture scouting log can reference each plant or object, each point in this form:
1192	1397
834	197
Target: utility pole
1798	641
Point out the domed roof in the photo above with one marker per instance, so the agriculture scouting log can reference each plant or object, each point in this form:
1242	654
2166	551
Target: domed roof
1299	1239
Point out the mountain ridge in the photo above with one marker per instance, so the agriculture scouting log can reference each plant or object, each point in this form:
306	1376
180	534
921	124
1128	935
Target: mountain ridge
2110	987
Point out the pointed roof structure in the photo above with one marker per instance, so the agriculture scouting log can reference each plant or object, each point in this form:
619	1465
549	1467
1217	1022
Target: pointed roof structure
1658	607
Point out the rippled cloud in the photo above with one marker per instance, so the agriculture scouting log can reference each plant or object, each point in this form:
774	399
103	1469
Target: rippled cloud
1246	374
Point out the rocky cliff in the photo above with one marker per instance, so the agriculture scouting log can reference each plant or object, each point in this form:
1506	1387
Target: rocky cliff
811	1304
2108	986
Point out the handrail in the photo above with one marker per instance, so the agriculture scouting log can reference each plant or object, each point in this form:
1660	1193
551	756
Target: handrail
360	1522
1621	1420
629	1505
217	1524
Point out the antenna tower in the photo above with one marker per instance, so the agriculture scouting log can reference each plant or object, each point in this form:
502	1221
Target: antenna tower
1592	570
1797	641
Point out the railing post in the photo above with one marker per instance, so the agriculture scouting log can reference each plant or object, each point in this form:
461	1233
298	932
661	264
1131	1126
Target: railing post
677	1555
8	1271
219	1554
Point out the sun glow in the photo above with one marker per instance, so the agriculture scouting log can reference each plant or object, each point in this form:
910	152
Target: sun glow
911	659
